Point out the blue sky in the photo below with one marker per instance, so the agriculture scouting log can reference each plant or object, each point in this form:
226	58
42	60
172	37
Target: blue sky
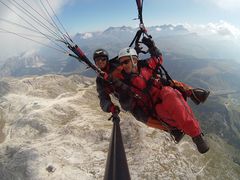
91	15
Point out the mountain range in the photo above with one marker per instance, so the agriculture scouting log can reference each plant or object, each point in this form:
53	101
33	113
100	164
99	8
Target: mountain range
173	39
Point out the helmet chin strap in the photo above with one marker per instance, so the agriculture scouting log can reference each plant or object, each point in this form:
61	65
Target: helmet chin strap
134	64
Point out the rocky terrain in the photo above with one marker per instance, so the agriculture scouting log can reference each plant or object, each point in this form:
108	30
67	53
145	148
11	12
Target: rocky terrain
51	127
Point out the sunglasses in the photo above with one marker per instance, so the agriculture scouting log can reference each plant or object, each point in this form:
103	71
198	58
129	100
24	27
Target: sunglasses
100	59
125	62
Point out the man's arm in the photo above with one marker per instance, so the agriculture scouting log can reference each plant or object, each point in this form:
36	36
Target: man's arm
156	55
104	95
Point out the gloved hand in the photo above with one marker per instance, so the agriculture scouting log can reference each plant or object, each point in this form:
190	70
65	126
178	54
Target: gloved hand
114	109
138	49
148	42
106	76
153	50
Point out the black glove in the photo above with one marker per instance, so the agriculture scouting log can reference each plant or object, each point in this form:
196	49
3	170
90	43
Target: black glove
138	49
148	42
153	50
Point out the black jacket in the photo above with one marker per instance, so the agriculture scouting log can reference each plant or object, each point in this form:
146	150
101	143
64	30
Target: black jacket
105	88
122	92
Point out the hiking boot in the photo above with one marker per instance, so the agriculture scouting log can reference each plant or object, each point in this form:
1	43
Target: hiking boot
202	145
177	135
199	95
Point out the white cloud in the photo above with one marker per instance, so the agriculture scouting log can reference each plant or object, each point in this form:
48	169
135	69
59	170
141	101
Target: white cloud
221	28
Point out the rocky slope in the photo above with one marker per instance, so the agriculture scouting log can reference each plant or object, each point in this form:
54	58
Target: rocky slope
52	128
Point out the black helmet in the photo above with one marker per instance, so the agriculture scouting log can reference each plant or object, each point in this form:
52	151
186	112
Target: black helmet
100	53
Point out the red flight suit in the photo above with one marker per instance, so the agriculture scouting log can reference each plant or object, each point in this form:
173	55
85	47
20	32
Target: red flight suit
166	102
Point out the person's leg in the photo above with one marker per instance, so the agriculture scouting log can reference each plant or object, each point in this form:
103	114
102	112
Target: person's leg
175	111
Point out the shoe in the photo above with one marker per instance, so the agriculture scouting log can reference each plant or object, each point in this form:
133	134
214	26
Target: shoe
199	95
202	145
177	135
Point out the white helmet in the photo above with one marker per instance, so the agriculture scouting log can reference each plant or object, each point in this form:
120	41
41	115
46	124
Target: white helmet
127	52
